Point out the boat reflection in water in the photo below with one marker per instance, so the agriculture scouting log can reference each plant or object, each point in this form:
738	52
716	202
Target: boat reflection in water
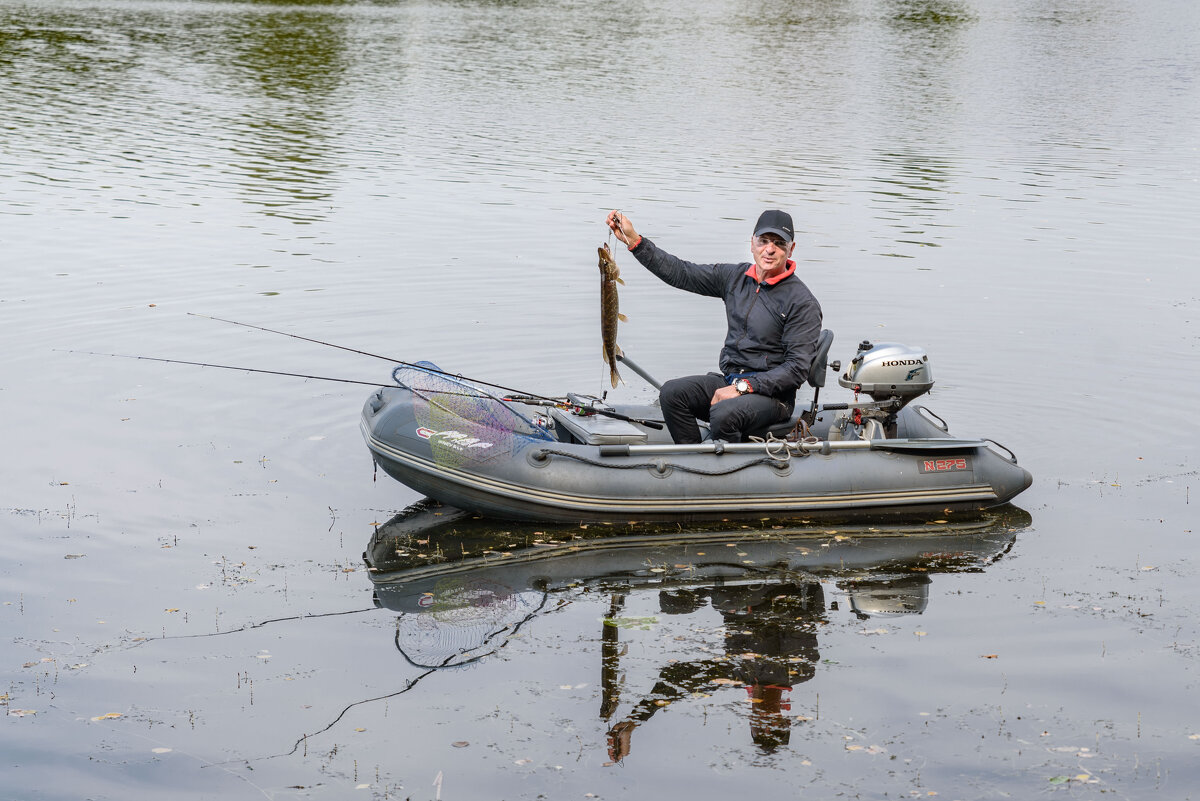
464	586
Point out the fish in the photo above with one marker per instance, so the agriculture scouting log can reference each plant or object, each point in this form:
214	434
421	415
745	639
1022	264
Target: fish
610	276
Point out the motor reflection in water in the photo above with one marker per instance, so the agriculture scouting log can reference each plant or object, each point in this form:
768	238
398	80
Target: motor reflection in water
464	586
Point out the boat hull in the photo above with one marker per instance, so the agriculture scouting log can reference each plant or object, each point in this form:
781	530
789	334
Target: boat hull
493	470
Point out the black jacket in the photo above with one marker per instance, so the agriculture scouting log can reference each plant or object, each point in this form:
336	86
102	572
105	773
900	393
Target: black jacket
773	328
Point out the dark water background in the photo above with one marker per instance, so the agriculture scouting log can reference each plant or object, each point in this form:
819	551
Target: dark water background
1012	185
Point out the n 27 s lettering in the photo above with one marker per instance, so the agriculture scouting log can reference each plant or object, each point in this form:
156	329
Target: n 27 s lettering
942	465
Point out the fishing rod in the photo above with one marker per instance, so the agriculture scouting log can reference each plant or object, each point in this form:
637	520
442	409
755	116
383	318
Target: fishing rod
531	400
378	356
224	367
292	375
521	393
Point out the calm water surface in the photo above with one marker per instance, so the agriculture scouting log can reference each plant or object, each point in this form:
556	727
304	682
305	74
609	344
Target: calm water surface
186	611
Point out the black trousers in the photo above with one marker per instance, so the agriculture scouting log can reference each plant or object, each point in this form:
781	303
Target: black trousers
683	400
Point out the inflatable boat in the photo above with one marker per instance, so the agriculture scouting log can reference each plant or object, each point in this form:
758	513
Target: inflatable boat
505	454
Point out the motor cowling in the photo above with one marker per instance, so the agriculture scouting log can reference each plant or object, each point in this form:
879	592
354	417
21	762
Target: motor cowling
889	370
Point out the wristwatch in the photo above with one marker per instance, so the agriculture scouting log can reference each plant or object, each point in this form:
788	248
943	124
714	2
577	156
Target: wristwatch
742	386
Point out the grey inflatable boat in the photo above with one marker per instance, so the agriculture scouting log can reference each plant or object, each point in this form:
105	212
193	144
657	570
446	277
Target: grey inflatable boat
576	459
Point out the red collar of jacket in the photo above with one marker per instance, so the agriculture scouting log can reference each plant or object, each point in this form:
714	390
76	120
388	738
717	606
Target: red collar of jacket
772	281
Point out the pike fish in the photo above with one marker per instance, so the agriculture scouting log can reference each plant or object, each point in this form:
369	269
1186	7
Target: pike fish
610	276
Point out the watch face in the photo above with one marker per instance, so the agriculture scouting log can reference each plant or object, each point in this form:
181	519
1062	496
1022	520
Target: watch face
742	386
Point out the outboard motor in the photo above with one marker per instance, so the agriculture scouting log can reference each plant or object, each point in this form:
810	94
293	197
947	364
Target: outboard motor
889	371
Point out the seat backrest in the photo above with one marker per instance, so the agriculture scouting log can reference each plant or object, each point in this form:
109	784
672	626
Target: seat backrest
820	361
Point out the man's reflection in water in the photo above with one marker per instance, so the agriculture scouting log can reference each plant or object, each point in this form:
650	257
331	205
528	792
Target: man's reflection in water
770	646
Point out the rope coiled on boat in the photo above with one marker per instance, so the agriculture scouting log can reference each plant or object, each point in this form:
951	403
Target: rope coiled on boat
782	450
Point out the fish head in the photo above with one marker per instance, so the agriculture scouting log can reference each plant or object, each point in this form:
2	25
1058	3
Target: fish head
608	265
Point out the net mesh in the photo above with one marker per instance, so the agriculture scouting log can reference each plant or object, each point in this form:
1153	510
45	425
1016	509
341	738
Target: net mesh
464	421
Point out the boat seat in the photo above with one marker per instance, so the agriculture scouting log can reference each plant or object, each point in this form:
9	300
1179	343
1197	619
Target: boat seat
781	429
596	429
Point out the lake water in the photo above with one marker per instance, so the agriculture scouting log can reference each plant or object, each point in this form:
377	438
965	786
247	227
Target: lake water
186	610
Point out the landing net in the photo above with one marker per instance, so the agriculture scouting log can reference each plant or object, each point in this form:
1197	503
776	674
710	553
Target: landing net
464	421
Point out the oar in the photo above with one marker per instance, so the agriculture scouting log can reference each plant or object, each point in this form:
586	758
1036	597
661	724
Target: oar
633	366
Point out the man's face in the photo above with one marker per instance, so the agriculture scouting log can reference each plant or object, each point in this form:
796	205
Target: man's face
770	254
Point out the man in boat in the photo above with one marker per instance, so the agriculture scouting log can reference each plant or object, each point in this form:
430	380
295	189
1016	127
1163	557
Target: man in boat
774	322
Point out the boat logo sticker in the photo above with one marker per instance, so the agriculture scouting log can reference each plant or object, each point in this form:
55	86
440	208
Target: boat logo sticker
945	465
455	439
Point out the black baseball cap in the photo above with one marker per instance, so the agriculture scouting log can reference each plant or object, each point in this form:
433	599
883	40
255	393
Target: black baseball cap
774	221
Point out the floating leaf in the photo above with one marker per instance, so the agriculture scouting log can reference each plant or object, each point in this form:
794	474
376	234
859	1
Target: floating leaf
160	750
109	716
20	713
460	743
990	656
